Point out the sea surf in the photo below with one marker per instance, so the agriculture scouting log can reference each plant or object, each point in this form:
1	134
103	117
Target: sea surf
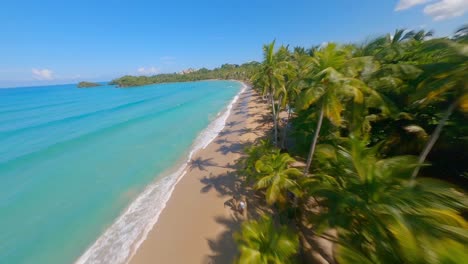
85	173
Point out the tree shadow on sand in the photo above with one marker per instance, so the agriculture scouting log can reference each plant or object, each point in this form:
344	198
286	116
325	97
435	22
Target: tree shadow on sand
226	132
224	184
222	141
239	112
203	164
224	248
265	119
231	148
233	123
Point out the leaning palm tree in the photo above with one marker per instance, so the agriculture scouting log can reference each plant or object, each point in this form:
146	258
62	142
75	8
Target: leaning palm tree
444	80
328	88
299	66
276	177
261	242
270	78
380	218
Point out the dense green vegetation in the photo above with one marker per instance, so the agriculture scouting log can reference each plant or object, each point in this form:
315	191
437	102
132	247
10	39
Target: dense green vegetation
87	84
225	72
382	130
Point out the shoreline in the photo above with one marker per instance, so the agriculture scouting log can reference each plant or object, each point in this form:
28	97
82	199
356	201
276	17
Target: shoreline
114	244
198	218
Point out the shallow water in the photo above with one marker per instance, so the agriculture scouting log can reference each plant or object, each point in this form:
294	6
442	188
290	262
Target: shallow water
72	160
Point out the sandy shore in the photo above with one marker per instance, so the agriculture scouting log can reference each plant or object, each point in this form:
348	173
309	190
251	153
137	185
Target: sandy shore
198	222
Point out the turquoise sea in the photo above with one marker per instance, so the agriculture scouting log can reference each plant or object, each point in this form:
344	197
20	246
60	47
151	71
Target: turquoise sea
84	173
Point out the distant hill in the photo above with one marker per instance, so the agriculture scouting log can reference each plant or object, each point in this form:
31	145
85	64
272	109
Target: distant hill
225	72
88	84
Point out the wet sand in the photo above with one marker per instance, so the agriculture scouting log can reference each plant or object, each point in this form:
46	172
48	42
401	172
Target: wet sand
200	217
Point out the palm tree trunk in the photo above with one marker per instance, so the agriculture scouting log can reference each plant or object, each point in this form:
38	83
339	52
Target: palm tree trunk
278	112
314	141
283	138
275	121
435	135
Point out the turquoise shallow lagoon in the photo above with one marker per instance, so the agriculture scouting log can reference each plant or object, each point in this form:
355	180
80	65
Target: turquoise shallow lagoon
73	160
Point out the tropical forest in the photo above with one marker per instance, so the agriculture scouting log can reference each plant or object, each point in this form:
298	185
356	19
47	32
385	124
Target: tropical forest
224	72
367	150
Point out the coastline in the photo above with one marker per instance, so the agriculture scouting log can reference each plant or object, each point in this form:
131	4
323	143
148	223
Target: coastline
122	240
198	219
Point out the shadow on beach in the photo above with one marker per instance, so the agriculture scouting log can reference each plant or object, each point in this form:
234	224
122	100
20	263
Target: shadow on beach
230	185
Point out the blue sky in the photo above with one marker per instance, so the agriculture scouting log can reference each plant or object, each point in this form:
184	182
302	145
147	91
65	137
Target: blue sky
48	42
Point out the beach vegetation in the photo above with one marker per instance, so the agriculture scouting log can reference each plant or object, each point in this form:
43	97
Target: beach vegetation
384	123
88	84
276	176
263	242
241	72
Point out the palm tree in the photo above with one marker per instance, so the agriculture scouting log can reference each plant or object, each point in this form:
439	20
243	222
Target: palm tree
270	78
380	218
300	64
419	36
253	154
462	34
261	242
389	48
275	175
444	80
285	93
328	88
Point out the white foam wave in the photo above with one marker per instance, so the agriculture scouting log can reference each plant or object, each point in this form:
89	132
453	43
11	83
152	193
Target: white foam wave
121	240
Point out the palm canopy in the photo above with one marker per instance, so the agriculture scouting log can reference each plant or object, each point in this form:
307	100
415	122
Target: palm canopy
445	79
334	80
380	217
261	242
275	175
391	48
271	79
328	84
253	154
270	75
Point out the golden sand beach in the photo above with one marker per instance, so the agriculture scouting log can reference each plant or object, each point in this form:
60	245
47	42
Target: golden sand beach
200	217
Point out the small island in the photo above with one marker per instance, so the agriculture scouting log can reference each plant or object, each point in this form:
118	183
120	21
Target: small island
88	84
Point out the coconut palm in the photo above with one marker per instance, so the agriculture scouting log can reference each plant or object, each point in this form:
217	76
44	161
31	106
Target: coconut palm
389	48
270	78
328	88
276	177
380	218
419	36
253	154
462	34
262	242
444	80
300	64
286	93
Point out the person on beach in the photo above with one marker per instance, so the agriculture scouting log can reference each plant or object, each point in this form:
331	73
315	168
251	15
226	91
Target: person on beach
242	207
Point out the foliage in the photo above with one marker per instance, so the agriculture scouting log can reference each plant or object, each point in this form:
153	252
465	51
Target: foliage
275	175
381	217
262	242
225	72
87	84
253	154
371	115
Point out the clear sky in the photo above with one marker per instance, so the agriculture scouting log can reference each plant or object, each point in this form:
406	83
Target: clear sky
46	42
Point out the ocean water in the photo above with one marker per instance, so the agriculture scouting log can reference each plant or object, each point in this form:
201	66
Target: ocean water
84	173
